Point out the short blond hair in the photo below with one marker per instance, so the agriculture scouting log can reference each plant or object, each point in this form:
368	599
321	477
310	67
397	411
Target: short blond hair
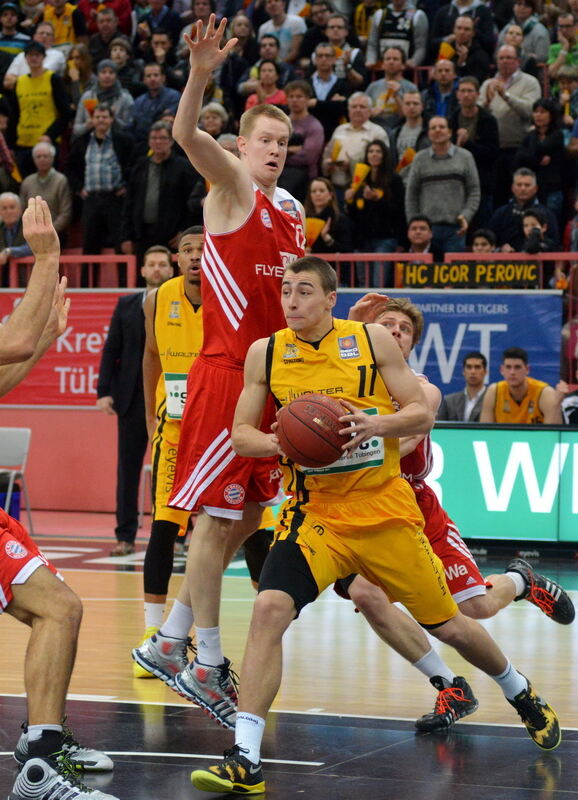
249	118
403	305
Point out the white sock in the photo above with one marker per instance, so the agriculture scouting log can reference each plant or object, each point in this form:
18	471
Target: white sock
519	582
209	650
248	735
179	621
154	613
35	731
431	666
511	682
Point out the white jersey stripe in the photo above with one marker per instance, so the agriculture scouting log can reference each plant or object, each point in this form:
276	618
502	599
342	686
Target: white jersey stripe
210	466
214	445
220	291
226	278
3	599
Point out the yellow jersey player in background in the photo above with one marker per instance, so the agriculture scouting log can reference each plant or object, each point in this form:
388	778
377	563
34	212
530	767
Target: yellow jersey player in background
174	335
315	540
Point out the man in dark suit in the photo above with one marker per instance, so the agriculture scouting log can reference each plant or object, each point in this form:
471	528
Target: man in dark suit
120	392
153	210
466	406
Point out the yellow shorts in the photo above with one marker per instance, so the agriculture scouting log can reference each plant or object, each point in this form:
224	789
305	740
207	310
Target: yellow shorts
164	448
269	519
380	538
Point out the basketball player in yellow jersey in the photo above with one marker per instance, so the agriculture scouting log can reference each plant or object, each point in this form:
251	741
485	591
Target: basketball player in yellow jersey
518	399
174	335
315	541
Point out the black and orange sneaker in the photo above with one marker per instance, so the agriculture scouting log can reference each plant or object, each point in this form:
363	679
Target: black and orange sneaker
539	718
235	774
548	595
452	703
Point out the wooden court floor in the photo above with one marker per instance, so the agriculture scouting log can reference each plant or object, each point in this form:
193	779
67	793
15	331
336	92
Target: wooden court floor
342	723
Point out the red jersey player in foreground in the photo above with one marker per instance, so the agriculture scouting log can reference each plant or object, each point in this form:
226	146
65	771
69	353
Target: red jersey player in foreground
476	597
315	543
30	589
252	232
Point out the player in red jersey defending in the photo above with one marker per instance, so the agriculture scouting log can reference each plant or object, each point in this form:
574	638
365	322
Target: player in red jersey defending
253	230
476	597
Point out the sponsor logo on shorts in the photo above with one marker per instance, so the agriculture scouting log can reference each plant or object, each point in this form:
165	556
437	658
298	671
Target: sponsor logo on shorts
289	207
15	550
275	475
348	347
455	571
266	218
234	494
470	580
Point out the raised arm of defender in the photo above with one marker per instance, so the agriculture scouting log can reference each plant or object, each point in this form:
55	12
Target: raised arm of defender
232	193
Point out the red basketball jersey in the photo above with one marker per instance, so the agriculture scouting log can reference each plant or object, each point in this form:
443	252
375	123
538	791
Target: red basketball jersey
417	465
241	278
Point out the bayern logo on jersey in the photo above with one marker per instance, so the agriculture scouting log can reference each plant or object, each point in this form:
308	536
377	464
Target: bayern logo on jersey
15	550
234	494
266	218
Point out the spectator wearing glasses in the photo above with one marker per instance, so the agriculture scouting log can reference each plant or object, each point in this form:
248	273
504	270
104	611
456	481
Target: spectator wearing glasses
536	38
321	10
349	61
328	102
565	51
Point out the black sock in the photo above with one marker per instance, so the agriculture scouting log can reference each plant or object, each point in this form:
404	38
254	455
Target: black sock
49	743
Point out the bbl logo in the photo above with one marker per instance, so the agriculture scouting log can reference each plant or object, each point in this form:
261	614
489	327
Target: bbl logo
175	311
15	550
234	494
348	347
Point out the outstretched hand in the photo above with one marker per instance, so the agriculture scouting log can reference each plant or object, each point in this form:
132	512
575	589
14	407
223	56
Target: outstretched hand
205	50
38	229
58	318
368	308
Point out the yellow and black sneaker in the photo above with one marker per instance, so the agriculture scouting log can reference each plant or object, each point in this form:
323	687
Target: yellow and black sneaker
539	718
235	774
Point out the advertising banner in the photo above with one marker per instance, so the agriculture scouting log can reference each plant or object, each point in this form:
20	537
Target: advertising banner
457	322
471	275
508	484
68	373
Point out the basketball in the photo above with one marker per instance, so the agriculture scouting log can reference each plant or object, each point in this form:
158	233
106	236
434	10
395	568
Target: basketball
308	430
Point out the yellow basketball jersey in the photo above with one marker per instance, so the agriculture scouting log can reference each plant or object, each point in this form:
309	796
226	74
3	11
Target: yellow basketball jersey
178	328
525	413
341	365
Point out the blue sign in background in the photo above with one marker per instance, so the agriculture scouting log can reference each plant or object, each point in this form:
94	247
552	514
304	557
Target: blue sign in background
459	321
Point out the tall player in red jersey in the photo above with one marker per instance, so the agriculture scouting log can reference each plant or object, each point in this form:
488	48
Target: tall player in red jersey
253	230
476	597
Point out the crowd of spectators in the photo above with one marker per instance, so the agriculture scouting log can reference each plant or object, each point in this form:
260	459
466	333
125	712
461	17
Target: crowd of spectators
461	116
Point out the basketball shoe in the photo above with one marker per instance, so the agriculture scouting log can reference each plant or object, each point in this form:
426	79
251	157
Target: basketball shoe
235	774
163	656
452	703
137	670
214	689
82	758
50	778
539	718
548	595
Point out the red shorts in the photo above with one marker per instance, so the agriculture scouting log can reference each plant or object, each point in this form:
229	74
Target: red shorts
209	473
19	557
462	574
